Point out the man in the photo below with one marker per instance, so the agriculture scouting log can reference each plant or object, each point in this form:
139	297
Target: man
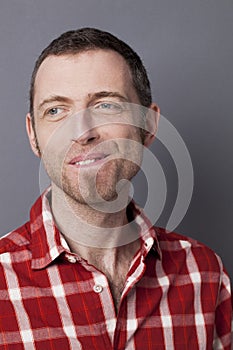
89	271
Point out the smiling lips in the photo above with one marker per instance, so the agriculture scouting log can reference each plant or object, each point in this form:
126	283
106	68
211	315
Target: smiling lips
88	160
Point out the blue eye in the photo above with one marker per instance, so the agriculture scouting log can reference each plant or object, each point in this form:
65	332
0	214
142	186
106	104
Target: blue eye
108	108
107	105
56	113
53	111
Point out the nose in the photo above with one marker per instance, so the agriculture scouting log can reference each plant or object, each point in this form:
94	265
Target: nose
84	130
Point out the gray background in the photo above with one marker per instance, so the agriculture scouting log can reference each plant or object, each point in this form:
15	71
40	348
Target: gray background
187	47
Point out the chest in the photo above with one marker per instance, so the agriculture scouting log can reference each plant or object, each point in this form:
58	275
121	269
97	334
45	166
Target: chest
59	308
116	278
116	288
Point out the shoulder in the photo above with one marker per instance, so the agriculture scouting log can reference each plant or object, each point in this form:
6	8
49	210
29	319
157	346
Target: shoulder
193	252
15	240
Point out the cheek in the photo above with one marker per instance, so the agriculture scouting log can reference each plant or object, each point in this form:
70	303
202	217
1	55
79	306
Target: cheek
42	134
129	143
42	139
117	131
131	151
135	134
48	136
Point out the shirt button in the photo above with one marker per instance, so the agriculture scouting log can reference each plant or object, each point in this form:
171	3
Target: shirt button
98	288
149	242
71	259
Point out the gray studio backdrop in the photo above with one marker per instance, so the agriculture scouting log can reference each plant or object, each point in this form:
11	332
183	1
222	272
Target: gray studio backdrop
187	48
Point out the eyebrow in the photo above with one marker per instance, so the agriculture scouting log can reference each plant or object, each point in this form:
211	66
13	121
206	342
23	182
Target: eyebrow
102	94
91	98
54	98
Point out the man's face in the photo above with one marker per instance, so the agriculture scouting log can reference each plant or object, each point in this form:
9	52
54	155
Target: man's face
78	152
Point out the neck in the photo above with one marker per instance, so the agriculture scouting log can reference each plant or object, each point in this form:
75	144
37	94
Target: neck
105	240
84	226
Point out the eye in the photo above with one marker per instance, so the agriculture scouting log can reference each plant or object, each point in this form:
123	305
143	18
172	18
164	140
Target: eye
109	107
54	111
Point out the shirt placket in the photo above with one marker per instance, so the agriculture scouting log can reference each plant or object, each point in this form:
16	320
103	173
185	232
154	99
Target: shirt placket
127	316
106	326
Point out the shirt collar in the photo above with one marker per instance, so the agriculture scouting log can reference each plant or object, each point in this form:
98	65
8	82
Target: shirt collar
148	235
47	243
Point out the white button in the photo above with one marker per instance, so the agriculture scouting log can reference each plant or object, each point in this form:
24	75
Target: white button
71	258
149	242
98	288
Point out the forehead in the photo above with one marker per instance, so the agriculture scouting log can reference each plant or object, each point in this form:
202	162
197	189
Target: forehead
93	66
80	75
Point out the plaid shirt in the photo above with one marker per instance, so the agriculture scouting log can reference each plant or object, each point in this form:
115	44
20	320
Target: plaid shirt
176	296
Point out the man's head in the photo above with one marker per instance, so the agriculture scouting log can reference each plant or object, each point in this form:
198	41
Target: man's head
85	39
80	71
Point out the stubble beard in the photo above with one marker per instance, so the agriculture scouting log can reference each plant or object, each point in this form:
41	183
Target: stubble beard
90	188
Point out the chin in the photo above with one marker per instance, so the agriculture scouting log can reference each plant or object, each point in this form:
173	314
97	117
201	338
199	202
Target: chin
102	187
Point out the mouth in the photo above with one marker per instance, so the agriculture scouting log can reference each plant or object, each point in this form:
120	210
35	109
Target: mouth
88	160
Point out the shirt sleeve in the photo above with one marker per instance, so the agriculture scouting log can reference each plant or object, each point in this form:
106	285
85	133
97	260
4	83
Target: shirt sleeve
223	316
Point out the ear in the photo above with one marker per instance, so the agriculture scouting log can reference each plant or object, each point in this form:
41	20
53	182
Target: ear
32	136
152	120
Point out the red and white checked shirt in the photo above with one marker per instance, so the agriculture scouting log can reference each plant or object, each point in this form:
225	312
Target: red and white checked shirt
177	295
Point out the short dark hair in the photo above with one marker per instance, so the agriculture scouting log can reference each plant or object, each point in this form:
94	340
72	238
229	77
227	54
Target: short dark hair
85	39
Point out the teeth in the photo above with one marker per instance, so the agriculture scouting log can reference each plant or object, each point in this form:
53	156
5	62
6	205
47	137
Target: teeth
85	162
